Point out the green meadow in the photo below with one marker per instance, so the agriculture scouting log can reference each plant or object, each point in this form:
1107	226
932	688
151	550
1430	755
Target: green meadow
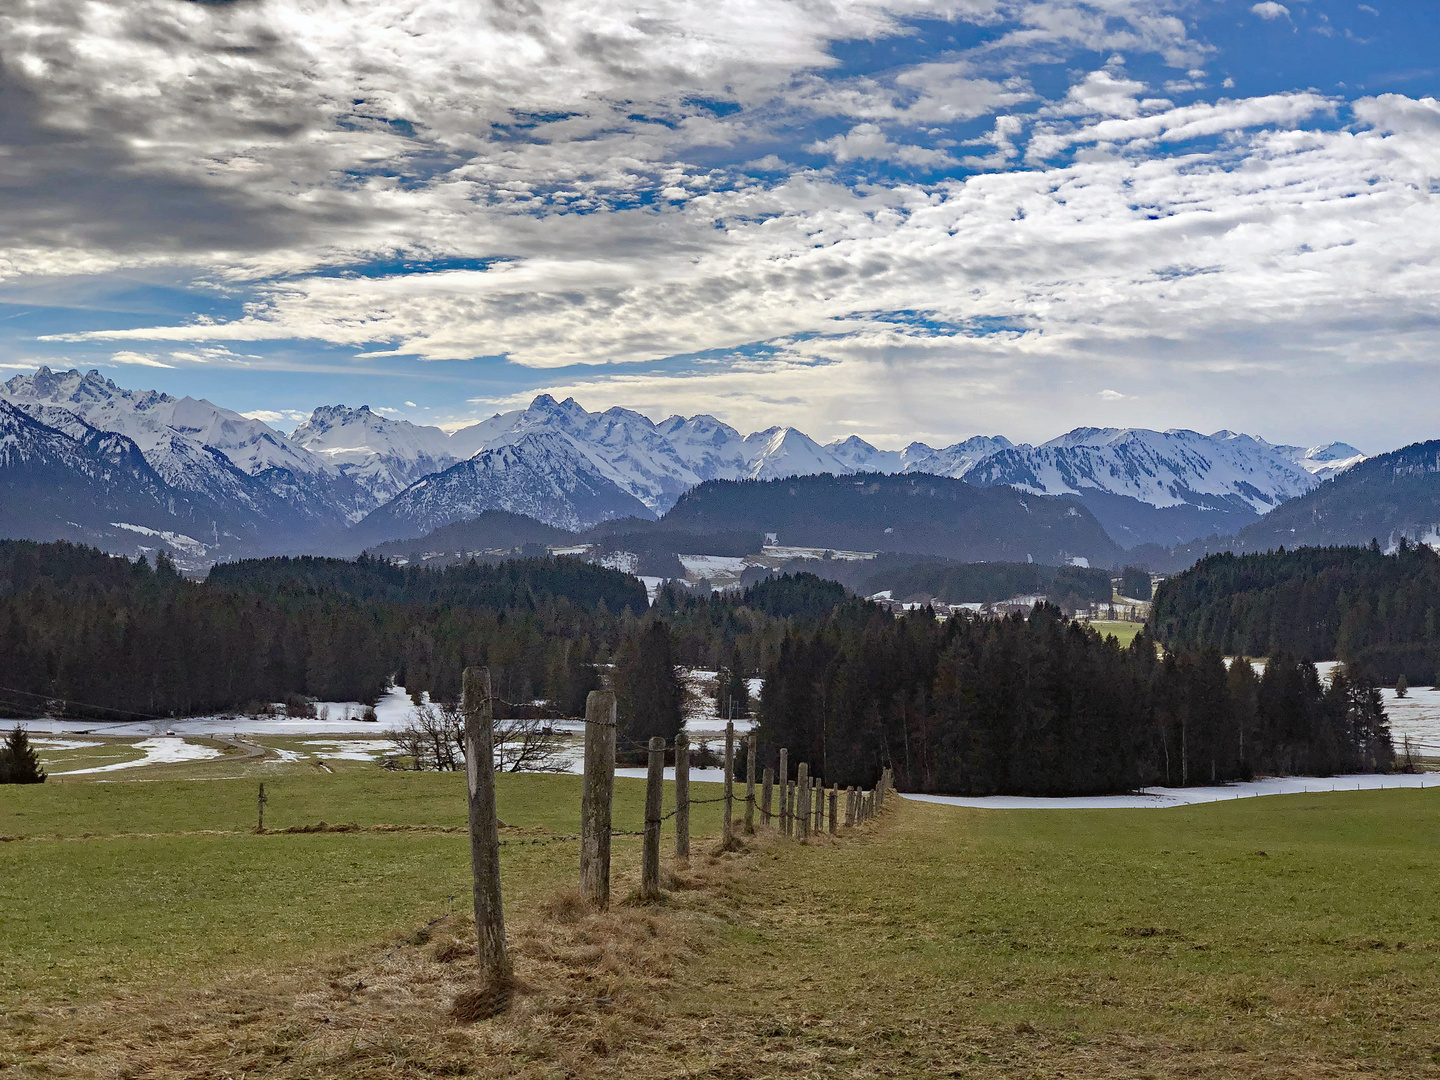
1280	936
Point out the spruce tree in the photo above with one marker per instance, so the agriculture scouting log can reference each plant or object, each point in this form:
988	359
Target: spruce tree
648	691
18	763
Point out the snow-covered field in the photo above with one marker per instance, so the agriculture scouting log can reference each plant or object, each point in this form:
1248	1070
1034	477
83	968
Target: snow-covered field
719	570
334	718
159	751
351	749
1159	797
786	553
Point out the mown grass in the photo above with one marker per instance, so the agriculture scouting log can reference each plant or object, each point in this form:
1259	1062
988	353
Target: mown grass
1282	936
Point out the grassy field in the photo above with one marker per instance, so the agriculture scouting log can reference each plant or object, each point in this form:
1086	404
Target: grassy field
1124	631
1285	936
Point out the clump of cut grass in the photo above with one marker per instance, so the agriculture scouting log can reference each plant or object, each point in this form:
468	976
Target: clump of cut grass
450	948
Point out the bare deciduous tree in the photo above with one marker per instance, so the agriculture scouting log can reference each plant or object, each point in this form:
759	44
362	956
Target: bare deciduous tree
435	739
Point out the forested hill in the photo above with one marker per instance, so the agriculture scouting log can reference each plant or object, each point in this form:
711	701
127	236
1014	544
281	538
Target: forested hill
509	584
1354	604
1384	498
494	530
915	512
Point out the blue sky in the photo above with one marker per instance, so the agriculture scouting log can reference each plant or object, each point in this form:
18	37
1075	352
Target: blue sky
898	220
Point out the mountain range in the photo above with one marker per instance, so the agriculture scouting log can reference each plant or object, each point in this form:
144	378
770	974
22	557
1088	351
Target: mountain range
142	464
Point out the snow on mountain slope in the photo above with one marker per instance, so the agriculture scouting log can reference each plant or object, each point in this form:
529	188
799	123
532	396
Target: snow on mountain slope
957	460
79	483
857	455
150	419
540	475
1323	462
200	448
712	450
384	456
780	452
1160	468
623	446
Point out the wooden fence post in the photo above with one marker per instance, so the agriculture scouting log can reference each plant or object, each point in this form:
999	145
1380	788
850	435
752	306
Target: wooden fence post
802	801
834	800
750	784
767	790
850	806
728	833
790	808
682	796
260	808
783	778
654	792
599	788
484	827
819	786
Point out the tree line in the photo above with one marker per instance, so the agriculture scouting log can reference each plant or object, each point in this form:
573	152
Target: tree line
91	635
1356	604
1046	706
87	634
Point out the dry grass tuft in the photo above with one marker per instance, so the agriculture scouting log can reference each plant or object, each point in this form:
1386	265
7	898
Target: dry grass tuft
450	948
481	1004
567	907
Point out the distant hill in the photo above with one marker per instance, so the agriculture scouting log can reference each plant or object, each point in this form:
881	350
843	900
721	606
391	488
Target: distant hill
931	515
494	531
1383	498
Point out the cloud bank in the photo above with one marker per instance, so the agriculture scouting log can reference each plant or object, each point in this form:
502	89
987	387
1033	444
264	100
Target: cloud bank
681	205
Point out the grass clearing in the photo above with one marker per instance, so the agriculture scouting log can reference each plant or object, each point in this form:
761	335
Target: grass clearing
1289	936
1123	631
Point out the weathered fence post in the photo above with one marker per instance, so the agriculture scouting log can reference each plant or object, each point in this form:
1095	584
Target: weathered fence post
783	778
260	808
834	800
790	808
728	833
484	827
750	784
802	799
599	788
682	796
819	786
654	793
850	806
767	791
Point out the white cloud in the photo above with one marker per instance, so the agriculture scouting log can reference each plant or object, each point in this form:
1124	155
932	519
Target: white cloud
126	356
277	416
868	141
1111	395
1268	9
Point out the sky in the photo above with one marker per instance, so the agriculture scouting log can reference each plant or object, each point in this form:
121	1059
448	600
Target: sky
919	219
